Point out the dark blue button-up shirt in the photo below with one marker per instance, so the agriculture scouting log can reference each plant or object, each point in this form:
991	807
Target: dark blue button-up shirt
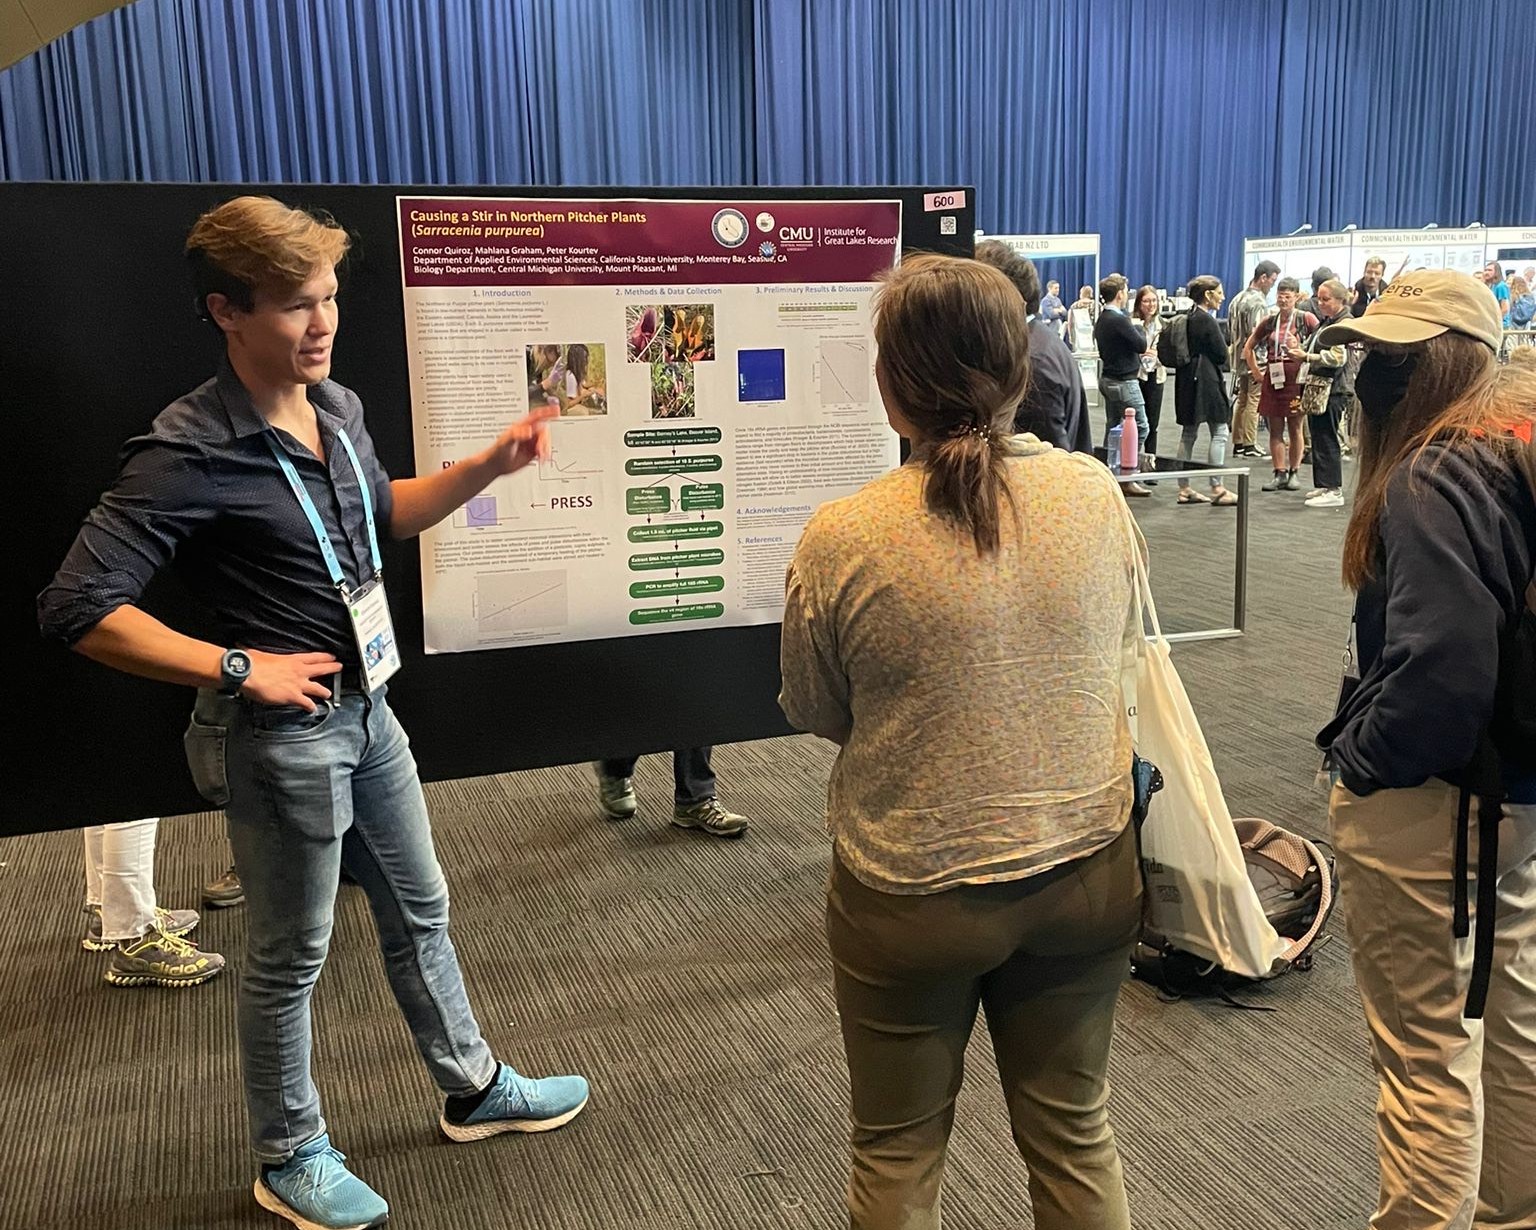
202	491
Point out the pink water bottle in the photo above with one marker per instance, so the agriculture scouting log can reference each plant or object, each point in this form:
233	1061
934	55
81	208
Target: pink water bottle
1129	442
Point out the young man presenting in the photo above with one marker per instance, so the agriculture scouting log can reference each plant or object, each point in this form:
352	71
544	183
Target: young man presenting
263	487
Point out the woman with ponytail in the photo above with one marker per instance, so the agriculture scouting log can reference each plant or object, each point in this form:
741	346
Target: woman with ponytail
1439	553
957	627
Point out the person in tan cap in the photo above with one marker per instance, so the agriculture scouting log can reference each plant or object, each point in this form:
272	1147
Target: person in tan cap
1439	553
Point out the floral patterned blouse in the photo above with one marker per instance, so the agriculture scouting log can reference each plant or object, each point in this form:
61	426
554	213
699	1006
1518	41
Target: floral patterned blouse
976	698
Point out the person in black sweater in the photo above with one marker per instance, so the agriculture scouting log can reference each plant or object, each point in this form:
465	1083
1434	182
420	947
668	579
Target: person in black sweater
1199	394
1055	407
1439	553
1121	344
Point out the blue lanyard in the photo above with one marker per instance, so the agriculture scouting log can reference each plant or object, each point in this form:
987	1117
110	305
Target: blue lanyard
338	578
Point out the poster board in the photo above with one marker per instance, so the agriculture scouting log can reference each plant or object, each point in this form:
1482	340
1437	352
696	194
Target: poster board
100	335
712	376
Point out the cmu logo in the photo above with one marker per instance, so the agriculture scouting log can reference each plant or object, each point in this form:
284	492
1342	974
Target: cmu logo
1397	288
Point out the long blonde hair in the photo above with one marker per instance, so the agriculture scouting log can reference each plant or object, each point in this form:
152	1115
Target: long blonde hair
1459	397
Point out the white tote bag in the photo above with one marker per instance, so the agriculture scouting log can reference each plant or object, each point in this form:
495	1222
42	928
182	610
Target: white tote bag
1198	893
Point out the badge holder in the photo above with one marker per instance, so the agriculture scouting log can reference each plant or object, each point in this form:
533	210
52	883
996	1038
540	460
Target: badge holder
374	631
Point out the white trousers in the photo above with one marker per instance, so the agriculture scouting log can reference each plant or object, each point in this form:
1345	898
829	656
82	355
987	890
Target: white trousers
120	877
1456	1109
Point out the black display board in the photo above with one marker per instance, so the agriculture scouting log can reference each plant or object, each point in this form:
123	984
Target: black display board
98	334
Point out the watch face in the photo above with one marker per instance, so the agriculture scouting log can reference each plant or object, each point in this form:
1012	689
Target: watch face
237	663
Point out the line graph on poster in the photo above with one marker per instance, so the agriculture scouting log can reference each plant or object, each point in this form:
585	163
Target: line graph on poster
509	603
562	466
842	371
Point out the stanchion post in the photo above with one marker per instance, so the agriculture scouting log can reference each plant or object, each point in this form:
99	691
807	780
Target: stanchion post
1240	581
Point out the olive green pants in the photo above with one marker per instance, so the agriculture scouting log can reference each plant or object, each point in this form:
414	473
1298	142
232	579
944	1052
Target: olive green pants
1044	957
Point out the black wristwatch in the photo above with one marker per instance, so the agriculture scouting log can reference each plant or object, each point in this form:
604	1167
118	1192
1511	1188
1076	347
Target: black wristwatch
234	670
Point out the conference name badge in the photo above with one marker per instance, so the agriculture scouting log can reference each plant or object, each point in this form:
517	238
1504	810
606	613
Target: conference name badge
1277	375
374	632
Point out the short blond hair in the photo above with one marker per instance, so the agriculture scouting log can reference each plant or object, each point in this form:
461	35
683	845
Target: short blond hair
253	243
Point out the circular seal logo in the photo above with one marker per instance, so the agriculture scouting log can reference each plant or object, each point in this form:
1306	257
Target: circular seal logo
765	222
730	228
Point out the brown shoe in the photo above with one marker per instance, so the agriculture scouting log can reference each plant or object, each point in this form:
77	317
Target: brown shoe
1134	489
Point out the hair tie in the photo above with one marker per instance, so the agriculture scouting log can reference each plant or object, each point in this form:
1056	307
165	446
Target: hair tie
980	431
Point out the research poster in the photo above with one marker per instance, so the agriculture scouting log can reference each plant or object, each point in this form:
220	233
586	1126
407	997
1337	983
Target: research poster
711	367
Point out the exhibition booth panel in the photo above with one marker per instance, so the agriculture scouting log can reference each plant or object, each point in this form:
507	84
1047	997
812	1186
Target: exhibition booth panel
1345	252
1072	261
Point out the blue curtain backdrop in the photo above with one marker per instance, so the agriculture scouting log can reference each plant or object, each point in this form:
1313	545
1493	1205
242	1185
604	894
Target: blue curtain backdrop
1172	128
389	91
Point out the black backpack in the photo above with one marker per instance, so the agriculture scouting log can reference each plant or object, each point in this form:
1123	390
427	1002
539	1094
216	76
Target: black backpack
1296	883
1509	740
1513	729
1173	343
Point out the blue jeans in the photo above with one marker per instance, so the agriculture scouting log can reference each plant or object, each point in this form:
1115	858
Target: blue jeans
693	780
305	794
1221	434
1118	394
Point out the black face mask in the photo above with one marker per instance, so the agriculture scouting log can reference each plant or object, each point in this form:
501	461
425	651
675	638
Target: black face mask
1383	381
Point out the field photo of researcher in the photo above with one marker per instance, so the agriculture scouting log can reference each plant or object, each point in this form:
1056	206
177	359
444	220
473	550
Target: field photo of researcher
570	379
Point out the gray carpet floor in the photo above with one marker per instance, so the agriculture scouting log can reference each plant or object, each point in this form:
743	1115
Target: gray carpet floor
688	979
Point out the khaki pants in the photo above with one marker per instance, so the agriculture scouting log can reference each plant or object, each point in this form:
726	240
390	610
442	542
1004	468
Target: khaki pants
1044	957
1456	1111
1245	410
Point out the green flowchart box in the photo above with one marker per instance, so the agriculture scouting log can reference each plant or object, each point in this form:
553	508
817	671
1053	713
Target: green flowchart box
676	531
699	463
648	500
660	437
698	496
676	585
709	557
673	614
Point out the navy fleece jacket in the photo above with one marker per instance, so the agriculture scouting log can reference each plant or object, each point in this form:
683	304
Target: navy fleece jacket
1451	573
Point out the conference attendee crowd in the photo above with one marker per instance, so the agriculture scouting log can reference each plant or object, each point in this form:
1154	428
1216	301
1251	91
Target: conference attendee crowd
1256	366
959	628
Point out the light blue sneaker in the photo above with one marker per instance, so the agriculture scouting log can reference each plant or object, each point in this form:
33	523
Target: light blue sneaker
315	1191
520	1104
